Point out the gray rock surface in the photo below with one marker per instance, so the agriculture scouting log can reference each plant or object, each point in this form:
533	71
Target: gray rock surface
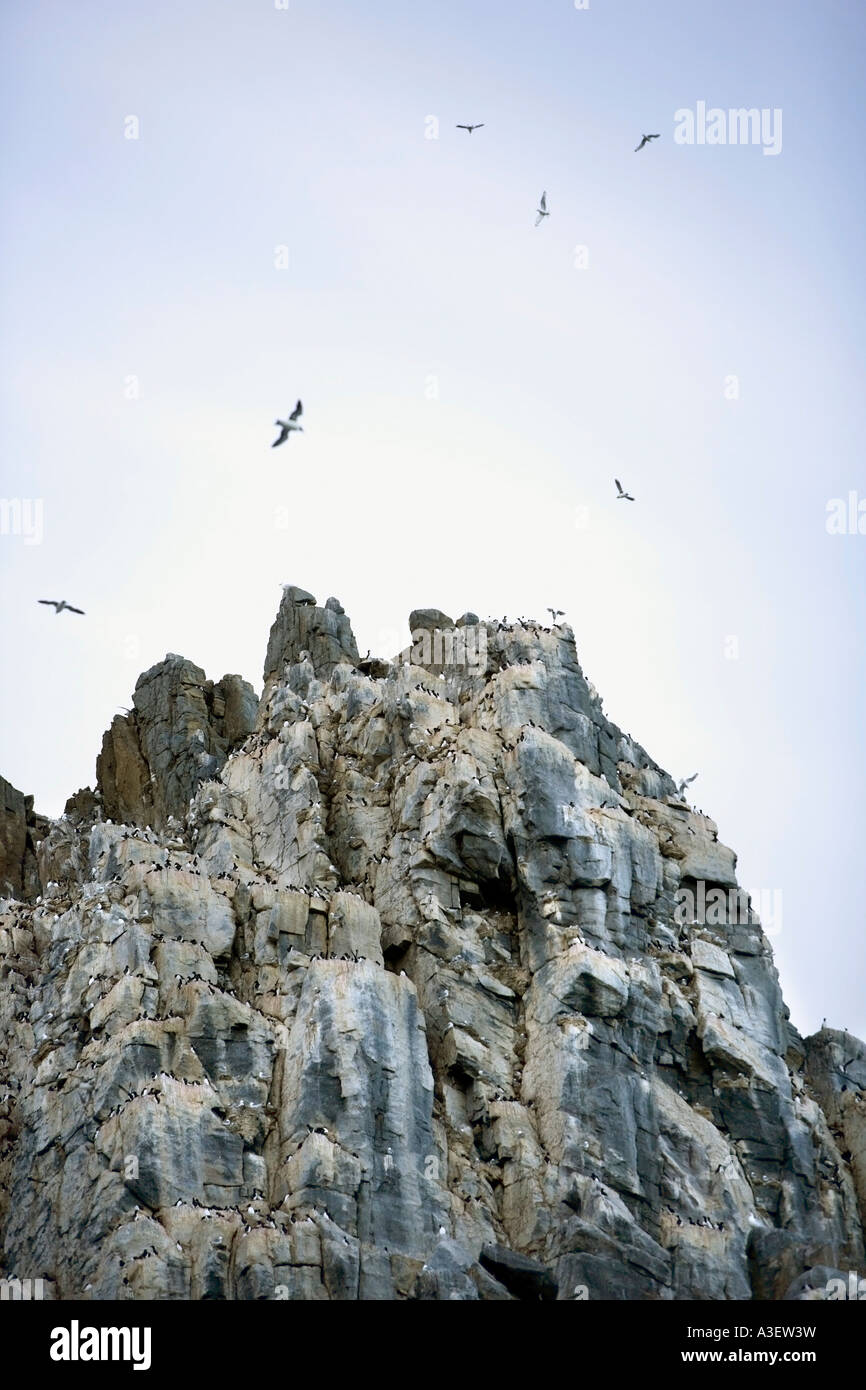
378	988
302	630
179	733
20	830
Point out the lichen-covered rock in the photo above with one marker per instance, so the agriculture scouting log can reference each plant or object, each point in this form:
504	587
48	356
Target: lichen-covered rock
382	988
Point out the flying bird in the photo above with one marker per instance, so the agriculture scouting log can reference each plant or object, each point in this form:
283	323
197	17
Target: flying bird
287	426
470	128
556	613
541	210
622	496
59	604
644	140
681	786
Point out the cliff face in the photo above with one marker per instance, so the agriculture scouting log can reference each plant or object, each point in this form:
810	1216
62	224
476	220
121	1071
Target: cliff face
390	986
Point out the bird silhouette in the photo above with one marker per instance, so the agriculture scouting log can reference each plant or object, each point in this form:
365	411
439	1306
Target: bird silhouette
556	613
287	426
622	495
59	605
541	210
644	140
470	128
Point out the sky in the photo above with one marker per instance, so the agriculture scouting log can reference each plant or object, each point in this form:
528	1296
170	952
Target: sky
215	207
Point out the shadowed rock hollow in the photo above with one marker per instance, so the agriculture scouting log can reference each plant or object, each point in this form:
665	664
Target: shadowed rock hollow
381	987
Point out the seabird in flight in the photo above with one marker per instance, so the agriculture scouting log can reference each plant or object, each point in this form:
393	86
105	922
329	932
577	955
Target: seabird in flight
541	210
470	128
287	426
645	139
681	786
556	613
59	605
622	496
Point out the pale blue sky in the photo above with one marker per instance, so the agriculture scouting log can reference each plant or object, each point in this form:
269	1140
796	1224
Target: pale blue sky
412	259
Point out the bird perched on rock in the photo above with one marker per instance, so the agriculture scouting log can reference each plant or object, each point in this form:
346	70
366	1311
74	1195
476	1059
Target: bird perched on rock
644	140
622	495
288	426
541	210
59	605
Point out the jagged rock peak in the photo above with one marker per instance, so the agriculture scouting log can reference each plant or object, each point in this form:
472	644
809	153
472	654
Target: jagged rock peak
301	628
401	983
179	734
20	828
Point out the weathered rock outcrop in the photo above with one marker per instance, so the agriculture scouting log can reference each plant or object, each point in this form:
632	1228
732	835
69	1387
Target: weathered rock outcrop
20	828
384	987
323	635
178	734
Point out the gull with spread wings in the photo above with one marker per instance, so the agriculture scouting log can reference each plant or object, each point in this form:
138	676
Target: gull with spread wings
288	426
60	605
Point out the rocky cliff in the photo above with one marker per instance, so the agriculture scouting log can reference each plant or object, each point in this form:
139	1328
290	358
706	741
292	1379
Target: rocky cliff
387	985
